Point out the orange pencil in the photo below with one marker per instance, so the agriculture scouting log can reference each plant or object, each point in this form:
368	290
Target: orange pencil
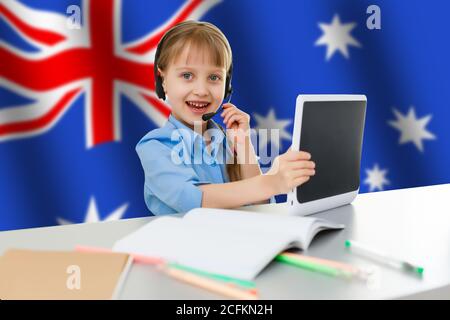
226	289
335	264
211	285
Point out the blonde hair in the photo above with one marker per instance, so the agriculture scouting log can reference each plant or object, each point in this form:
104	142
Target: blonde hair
202	36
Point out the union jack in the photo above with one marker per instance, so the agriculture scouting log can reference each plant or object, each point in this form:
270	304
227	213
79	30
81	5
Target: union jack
90	60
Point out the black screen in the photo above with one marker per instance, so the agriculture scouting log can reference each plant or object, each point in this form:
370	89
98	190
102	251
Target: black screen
332	131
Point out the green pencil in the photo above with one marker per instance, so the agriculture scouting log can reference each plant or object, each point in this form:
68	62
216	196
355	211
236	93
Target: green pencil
220	277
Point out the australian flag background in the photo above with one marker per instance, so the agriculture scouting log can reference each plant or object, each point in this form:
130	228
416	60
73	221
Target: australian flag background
74	101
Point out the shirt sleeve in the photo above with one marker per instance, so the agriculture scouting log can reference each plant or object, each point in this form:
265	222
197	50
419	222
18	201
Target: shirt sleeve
174	184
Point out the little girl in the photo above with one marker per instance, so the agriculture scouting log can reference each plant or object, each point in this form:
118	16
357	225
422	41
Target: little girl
183	161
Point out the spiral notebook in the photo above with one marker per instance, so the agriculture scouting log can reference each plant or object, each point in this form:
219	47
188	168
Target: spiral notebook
229	242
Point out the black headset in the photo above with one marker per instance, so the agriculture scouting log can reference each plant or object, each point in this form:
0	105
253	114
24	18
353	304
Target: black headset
158	79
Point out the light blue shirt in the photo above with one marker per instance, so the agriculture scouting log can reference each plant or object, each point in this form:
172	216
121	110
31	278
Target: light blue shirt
175	162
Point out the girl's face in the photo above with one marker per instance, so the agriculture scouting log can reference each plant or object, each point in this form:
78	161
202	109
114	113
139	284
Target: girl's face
193	85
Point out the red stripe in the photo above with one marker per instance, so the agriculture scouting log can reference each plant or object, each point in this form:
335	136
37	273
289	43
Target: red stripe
68	66
41	122
101	13
153	41
39	35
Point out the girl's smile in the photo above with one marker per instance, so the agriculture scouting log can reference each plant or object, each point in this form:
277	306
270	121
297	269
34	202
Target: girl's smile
198	106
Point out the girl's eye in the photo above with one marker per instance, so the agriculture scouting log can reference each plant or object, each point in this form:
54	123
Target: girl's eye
187	75
215	77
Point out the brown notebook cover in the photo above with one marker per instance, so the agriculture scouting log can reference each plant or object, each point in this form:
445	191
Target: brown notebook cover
61	275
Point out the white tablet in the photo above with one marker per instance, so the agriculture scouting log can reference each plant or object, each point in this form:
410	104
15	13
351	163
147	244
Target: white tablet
330	128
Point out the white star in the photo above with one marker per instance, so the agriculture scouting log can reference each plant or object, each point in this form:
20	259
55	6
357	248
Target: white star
271	123
411	128
92	214
376	178
336	36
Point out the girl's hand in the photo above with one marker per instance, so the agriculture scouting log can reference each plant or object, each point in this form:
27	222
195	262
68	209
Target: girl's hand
237	123
235	118
289	170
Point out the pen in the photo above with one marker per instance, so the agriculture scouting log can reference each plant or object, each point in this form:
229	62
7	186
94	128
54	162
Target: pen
383	257
313	266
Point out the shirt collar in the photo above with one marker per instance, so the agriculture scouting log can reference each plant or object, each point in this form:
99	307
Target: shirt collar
187	132
192	134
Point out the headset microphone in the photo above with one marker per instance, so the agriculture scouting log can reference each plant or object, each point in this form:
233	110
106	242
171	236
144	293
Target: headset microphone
209	115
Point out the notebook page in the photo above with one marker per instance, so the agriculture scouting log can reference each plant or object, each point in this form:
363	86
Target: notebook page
302	229
236	253
321	225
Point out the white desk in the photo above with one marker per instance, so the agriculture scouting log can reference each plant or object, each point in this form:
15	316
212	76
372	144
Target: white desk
413	223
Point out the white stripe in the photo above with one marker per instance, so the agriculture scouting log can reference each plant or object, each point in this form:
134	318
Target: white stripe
116	112
40	19
134	94
150	55
42	130
45	101
88	115
46	21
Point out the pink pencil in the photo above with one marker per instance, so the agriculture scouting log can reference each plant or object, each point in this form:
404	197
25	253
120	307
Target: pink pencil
136	257
224	288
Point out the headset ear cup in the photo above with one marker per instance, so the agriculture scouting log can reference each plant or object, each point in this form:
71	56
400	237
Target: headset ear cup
158	79
159	88
228	92
228	87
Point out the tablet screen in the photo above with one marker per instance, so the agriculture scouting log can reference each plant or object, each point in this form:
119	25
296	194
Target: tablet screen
332	132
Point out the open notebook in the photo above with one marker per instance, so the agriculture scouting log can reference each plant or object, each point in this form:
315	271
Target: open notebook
229	242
